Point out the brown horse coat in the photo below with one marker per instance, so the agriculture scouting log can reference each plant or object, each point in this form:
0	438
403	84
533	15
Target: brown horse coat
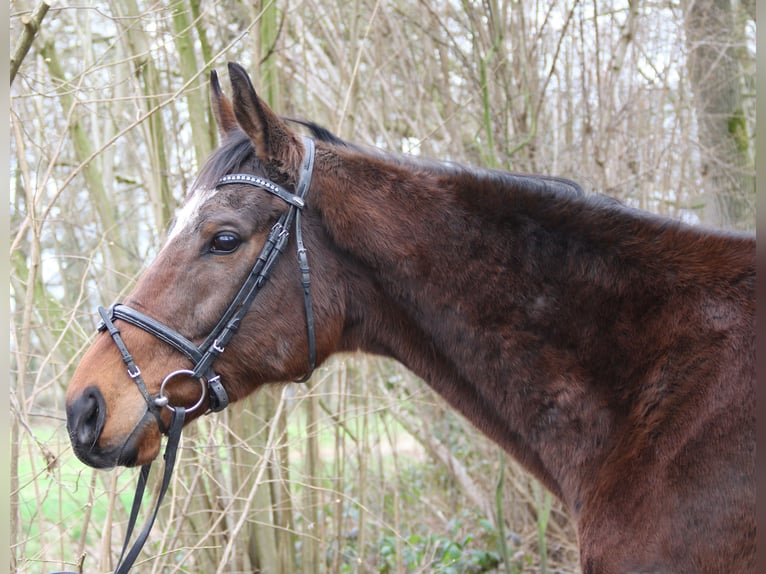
610	351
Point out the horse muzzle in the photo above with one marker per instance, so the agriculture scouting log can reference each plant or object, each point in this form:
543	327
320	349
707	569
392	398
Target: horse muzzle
86	419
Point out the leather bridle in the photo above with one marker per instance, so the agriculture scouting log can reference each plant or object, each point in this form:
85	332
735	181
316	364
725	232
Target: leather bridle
204	355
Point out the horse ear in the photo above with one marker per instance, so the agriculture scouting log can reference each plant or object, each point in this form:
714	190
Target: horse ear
273	140
222	110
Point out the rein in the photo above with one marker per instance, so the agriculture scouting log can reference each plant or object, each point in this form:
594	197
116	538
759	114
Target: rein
214	344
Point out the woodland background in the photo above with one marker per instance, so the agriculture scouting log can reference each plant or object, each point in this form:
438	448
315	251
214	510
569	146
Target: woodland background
363	469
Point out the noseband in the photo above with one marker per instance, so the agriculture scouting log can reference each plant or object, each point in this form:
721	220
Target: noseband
204	355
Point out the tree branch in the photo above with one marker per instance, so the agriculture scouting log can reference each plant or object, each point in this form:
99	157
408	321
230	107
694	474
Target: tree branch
31	26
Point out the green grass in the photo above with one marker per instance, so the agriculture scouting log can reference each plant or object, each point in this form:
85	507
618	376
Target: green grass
55	492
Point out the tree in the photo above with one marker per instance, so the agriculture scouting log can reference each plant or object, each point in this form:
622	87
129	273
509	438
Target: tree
715	60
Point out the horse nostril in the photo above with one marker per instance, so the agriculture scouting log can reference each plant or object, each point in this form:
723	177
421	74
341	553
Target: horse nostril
92	417
85	417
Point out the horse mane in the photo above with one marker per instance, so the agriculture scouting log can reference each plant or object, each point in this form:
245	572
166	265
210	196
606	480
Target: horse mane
545	185
495	193
237	150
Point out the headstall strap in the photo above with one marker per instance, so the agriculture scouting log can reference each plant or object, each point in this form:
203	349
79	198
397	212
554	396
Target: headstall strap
215	343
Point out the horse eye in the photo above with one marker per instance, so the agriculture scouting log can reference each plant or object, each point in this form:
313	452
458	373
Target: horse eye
225	242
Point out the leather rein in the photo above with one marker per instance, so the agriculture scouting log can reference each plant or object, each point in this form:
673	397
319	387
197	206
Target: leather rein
204	355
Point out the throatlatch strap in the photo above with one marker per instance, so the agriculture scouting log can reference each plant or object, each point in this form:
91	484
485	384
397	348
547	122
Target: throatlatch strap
303	262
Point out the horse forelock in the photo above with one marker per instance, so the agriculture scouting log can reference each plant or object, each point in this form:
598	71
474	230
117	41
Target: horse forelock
234	153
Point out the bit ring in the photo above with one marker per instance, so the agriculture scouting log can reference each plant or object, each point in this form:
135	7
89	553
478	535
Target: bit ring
162	399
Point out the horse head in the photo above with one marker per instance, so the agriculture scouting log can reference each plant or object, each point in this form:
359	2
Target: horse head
223	230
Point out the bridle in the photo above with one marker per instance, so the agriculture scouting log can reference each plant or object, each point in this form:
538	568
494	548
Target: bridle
204	355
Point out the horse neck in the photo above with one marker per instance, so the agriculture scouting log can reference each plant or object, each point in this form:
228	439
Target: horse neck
521	302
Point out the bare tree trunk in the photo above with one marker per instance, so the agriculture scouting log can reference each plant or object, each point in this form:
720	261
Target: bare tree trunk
726	161
281	495
14	538
202	139
261	534
312	483
151	86
256	546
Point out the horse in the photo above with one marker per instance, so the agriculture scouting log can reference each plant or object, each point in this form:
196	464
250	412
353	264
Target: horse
610	351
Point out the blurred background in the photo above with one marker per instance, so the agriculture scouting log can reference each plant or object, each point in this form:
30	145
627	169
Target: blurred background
363	469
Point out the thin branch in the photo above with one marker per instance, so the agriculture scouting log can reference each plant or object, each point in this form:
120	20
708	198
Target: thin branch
31	27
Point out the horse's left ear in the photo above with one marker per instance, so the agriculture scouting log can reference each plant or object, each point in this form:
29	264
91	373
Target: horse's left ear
222	110
273	140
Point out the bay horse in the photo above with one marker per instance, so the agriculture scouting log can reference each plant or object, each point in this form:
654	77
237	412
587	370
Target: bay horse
609	350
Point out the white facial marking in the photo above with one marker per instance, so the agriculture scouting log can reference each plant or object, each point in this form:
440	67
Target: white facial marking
189	212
